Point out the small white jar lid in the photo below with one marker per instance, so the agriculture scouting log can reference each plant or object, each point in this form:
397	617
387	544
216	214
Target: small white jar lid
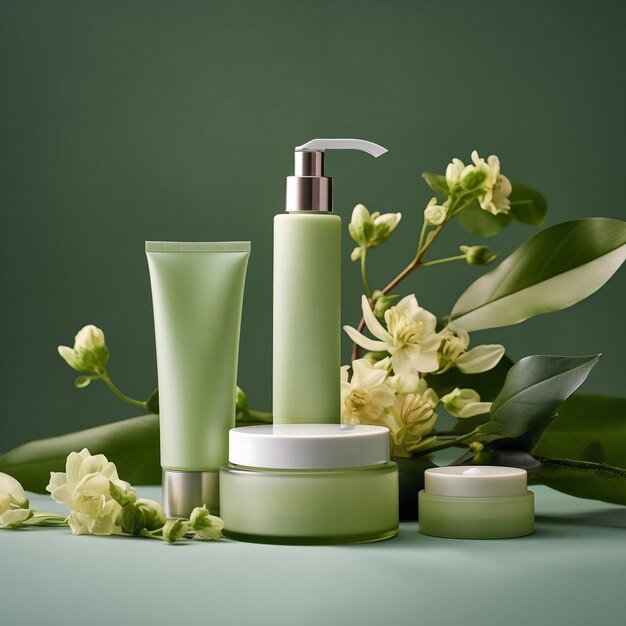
308	446
481	481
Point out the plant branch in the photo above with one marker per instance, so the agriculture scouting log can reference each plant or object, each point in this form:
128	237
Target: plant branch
409	269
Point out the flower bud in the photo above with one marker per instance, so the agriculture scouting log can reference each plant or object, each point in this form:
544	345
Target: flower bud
12	493
205	526
13	503
360	227
355	255
89	354
465	403
122	492
173	530
382	302
153	513
370	230
131	519
478	255
384	225
434	213
453	172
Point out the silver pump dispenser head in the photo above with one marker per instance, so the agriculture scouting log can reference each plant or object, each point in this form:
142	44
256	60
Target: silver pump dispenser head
309	189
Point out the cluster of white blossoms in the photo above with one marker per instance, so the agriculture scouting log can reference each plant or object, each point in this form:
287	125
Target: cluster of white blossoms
101	504
491	188
85	488
393	391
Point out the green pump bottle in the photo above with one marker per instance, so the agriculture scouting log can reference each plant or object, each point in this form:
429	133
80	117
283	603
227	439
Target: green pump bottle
307	290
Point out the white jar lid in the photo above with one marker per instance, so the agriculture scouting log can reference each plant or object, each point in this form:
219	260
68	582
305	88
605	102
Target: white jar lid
308	446
481	481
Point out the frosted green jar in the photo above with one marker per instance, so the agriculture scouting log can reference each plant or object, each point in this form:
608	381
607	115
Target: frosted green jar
481	502
309	484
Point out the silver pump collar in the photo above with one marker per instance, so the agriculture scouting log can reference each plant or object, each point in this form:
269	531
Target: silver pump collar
309	189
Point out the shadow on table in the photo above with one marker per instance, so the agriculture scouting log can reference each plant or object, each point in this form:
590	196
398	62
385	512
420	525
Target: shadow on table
612	518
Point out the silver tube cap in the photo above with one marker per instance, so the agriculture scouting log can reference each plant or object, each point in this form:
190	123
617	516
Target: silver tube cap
183	491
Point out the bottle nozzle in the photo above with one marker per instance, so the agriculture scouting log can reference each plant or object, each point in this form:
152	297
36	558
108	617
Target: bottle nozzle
320	145
309	189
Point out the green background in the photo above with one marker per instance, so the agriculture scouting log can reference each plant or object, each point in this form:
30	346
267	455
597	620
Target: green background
127	121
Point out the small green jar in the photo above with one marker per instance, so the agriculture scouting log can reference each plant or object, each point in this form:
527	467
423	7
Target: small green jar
481	502
309	484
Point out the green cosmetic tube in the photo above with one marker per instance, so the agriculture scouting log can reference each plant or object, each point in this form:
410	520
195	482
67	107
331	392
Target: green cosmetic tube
197	296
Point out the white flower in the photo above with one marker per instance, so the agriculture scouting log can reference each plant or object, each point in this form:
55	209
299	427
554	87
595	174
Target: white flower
496	200
205	526
384	225
364	398
84	488
453	345
410	337
370	231
497	187
434	213
89	354
465	403
14	507
410	419
453	352
485	177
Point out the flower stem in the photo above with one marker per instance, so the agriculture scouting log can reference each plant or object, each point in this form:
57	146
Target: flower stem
368	289
122	396
422	235
442	445
458	257
41	518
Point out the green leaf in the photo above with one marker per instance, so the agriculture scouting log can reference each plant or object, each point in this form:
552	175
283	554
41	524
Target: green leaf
436	182
528	206
588	428
82	381
552	270
533	389
582	479
132	444
481	223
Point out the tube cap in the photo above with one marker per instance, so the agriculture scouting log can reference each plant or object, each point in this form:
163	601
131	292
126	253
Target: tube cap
184	491
308	446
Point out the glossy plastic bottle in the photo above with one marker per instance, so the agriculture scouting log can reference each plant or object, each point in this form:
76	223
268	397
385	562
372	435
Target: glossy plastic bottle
307	291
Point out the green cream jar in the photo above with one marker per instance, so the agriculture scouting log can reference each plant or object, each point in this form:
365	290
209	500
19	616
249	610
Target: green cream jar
481	502
309	484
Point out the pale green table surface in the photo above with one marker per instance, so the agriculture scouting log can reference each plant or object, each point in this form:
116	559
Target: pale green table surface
571	571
